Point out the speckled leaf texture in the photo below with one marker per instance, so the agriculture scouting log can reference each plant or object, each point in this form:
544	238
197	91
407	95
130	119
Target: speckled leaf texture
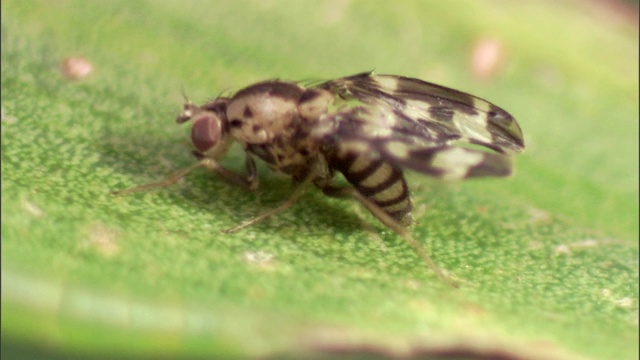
547	259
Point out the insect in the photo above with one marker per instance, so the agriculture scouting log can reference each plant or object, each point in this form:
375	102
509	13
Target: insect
368	127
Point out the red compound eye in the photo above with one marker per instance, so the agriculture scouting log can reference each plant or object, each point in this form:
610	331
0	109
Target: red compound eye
206	132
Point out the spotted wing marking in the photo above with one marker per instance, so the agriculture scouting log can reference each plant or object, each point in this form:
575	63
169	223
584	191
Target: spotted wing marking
418	125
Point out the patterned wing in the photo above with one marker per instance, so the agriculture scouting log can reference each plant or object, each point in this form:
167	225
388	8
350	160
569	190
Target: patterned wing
414	124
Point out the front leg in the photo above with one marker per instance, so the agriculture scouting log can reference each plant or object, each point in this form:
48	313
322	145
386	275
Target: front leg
250	181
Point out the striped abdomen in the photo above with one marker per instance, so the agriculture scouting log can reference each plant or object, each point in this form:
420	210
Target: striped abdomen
379	182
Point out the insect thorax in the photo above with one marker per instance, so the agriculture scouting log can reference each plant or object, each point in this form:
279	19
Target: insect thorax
265	119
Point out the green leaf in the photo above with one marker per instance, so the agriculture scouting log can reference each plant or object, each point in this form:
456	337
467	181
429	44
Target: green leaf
548	260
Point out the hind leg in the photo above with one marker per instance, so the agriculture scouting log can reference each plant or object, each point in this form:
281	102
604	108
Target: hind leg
390	222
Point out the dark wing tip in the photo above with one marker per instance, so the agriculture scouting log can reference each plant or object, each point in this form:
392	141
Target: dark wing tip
506	129
452	163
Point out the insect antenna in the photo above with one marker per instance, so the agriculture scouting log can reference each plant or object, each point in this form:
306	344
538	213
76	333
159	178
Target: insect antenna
184	95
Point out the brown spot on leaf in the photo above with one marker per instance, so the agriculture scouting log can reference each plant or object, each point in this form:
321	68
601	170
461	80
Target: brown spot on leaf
487	58
76	68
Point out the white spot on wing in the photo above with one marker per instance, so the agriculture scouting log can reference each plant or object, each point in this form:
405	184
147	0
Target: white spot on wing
481	105
473	126
456	162
387	83
373	130
398	149
359	147
416	109
378	123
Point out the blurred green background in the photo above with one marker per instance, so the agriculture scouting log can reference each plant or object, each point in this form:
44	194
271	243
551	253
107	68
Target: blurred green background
548	259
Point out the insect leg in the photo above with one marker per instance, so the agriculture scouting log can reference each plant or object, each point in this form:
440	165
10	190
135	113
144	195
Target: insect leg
339	192
391	223
249	182
299	191
167	182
